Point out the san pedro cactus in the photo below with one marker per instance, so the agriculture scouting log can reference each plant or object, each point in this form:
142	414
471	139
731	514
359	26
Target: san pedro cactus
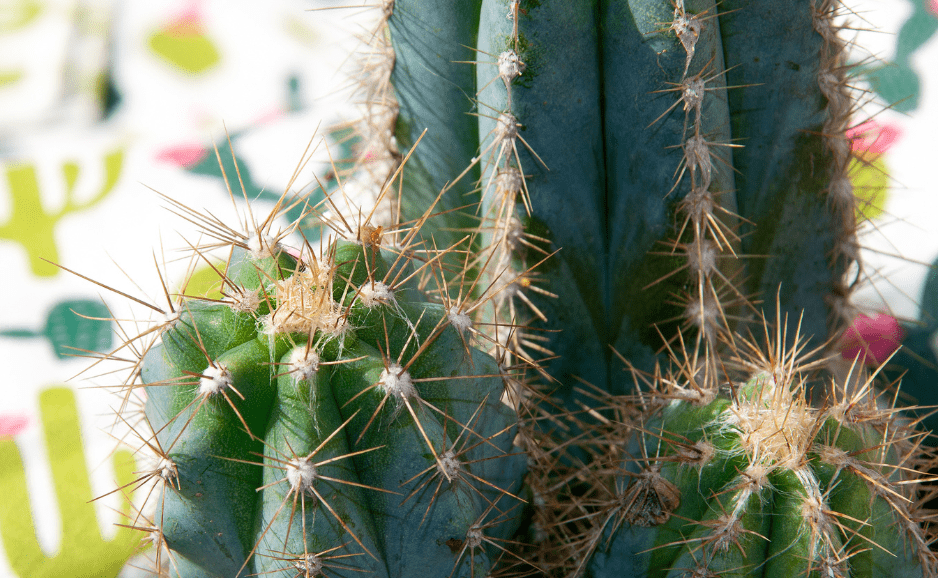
564	187
756	481
326	419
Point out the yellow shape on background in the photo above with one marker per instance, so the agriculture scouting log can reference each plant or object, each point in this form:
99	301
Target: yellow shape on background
870	177
83	552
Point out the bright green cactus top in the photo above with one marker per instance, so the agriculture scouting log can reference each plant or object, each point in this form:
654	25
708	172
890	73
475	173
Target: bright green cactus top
331	418
750	479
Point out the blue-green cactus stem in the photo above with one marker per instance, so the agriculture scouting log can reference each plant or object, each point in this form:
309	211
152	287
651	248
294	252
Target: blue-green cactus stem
308	467
351	425
785	114
435	83
627	137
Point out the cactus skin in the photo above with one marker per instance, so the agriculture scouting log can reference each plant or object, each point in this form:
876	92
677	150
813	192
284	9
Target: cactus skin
600	104
351	468
687	162
32	225
757	482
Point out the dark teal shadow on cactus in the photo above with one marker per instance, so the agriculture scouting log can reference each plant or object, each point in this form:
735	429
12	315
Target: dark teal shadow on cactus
72	327
896	82
342	143
916	362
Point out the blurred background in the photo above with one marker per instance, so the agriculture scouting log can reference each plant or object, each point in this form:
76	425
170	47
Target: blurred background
107	104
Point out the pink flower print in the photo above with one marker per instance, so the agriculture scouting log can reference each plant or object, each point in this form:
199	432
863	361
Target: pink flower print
185	156
12	424
872	339
873	137
189	21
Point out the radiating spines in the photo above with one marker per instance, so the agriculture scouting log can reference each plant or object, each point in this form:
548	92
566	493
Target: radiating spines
754	477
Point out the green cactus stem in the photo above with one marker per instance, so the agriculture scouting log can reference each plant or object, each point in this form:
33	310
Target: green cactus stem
755	481
329	416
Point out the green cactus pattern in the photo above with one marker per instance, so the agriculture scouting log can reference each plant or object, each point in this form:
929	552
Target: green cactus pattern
83	552
73	327
581	333
31	225
897	82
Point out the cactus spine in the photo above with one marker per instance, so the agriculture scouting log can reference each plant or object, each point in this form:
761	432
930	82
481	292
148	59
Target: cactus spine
641	176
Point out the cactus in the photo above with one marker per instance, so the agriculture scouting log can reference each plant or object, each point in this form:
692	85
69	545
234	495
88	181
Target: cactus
325	417
564	186
757	481
72	326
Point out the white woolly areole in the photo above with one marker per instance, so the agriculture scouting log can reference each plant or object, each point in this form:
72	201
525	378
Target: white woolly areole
698	205
775	422
687	31
509	181
704	314
506	128
167	469
375	293
245	301
693	93
304	363
697	157
261	245
450	464
702	257
397	382
214	380
474	537
310	565
301	474
305	304
514	232
510	66
458	319
167	320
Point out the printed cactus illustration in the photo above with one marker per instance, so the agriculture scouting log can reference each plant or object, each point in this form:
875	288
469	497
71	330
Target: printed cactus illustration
33	226
184	43
585	329
897	82
73	327
83	551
